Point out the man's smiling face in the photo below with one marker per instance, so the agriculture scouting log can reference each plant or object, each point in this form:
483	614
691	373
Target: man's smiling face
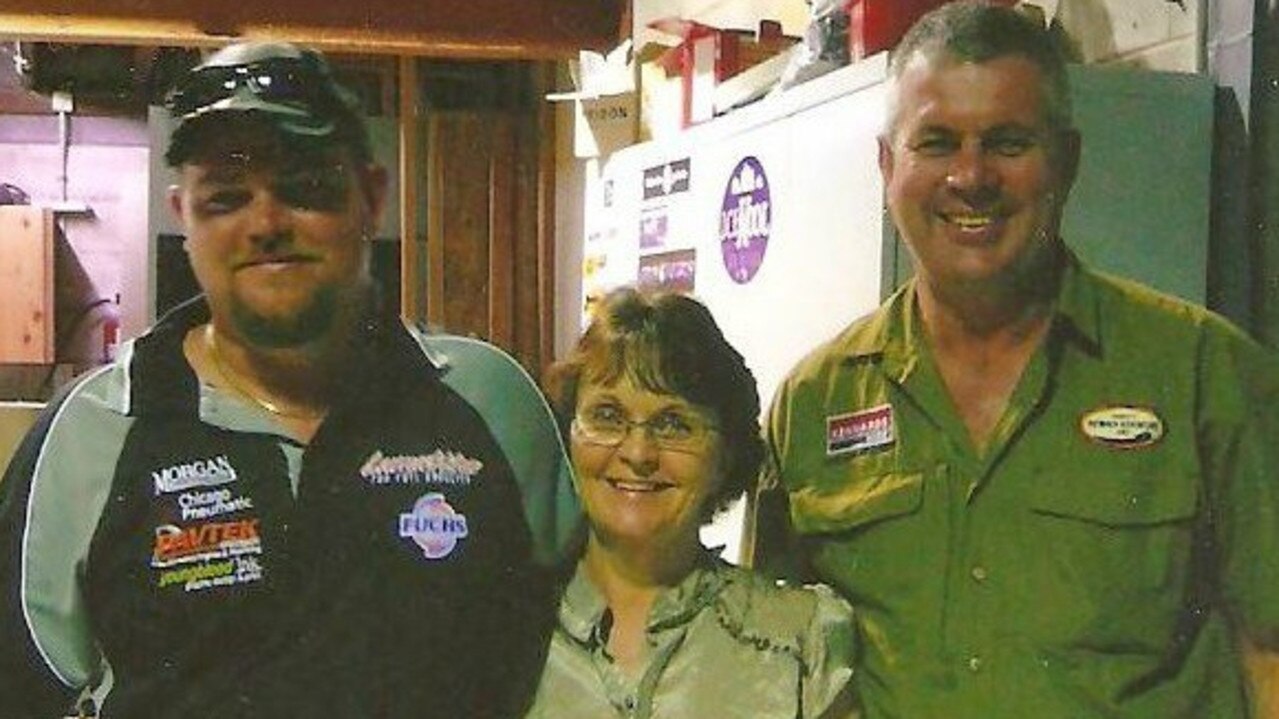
276	234
975	174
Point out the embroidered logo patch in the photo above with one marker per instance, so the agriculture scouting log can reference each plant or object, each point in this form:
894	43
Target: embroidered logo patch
439	467
433	526
211	540
860	431
203	556
209	503
1122	427
211	472
229	572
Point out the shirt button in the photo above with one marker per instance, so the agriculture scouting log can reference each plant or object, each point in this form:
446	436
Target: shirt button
979	573
974	663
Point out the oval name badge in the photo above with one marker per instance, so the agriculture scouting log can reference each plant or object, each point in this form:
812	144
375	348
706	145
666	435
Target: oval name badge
1122	427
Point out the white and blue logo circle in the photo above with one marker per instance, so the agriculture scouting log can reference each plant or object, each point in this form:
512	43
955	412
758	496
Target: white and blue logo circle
433	526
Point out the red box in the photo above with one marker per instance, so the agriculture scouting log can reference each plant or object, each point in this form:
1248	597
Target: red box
878	25
706	56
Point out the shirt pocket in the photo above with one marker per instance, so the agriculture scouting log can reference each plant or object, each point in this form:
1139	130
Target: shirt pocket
1116	541
1131	498
858	502
868	536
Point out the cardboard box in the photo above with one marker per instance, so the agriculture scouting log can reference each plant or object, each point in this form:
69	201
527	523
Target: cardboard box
707	56
628	96
603	125
763	46
661	94
606	103
752	83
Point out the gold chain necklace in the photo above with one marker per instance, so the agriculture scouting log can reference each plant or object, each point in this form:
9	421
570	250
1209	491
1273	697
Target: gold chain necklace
211	339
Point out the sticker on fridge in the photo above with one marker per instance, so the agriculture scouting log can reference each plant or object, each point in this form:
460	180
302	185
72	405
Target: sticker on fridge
666	179
654	227
673	271
746	220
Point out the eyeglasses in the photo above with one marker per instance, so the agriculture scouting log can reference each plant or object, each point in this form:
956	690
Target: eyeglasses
671	429
285	80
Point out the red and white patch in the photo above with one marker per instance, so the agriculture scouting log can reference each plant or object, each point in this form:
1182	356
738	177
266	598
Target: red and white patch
860	432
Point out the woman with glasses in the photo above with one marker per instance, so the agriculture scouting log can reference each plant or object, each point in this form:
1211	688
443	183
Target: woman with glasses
662	418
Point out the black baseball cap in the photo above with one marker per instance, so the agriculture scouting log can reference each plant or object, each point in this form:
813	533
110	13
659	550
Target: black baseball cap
290	88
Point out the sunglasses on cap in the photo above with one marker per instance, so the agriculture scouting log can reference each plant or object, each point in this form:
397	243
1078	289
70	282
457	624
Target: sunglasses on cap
286	80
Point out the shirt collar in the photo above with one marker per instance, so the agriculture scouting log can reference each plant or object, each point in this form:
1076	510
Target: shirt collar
582	607
894	333
891	334
385	344
1078	310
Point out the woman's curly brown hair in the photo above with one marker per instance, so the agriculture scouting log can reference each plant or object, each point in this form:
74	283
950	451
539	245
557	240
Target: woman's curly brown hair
668	343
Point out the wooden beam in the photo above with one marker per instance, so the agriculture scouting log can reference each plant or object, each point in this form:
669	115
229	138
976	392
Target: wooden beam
496	29
411	274
434	223
501	234
546	269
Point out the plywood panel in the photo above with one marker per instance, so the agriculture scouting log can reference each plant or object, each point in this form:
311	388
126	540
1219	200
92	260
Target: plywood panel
459	145
412	280
26	285
485	187
503	165
535	263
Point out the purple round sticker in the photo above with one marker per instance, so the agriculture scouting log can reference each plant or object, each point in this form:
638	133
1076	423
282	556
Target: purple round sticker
745	220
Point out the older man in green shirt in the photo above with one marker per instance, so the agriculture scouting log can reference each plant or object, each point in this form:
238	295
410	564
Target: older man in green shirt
1048	492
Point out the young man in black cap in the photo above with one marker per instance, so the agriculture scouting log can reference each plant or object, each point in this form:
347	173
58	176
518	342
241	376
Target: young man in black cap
280	500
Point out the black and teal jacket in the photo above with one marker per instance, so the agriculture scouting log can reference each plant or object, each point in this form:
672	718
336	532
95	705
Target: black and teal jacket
166	551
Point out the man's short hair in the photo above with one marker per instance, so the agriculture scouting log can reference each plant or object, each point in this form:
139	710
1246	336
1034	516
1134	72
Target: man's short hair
978	31
288	88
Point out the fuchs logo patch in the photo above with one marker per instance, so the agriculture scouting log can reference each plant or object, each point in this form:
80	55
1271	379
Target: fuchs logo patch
211	472
860	432
433	526
439	467
1122	427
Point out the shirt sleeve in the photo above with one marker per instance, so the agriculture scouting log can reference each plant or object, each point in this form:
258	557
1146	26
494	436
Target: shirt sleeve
770	543
511	602
830	650
1238	437
518	416
46	653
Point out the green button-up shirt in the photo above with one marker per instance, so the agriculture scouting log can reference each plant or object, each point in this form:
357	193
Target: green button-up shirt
1095	561
723	643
